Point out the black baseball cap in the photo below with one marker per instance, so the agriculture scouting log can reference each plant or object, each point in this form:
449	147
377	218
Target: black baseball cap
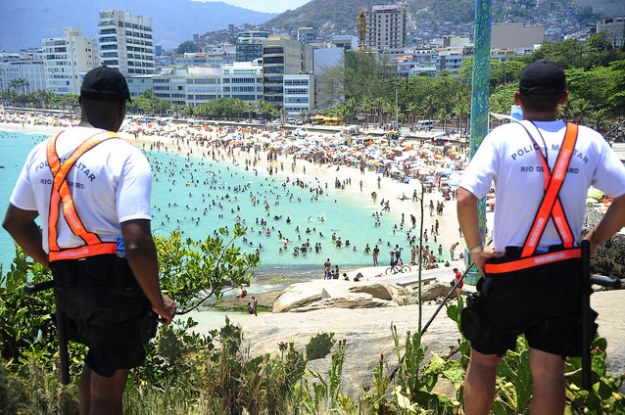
542	78
105	84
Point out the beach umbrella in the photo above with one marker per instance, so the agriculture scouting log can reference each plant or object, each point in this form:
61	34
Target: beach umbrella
594	193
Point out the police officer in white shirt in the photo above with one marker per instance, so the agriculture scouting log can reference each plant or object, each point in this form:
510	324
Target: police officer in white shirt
538	219
91	191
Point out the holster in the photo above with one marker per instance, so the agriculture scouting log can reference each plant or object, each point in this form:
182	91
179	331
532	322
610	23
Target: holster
470	322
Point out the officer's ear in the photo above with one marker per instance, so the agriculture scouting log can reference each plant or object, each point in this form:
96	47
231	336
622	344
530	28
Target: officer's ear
564	97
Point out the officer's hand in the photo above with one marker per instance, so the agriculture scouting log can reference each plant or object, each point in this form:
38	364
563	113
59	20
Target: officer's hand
480	258
166	310
593	245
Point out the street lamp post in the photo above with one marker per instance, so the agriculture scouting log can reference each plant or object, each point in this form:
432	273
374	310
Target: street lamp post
479	97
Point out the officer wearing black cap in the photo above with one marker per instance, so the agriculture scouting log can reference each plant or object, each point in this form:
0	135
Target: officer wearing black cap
91	191
542	168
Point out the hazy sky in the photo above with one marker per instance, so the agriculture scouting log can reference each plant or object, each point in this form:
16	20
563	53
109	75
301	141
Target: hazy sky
269	6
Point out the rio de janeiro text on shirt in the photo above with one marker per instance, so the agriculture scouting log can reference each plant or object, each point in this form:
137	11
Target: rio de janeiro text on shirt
527	149
80	166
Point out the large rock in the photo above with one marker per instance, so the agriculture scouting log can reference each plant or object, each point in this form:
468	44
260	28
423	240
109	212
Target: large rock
316	295
608	258
321	294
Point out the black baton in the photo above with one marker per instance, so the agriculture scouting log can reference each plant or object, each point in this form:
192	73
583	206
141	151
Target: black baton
586	316
60	329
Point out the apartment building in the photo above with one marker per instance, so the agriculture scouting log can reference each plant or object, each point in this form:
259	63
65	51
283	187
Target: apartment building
516	35
27	65
283	56
242	80
299	94
67	59
386	27
249	45
306	34
126	42
614	30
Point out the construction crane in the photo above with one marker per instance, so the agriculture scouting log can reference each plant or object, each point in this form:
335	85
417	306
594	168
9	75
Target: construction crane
362	28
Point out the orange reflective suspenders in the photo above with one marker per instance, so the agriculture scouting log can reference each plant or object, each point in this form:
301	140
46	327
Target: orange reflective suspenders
550	206
61	195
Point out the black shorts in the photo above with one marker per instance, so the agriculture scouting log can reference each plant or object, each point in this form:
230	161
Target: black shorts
105	309
543	303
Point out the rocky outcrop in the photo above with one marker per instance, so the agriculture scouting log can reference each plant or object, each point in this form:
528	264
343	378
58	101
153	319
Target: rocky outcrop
609	259
368	334
322	294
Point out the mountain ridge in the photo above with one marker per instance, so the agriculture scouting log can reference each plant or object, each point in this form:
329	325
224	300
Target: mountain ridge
340	15
23	23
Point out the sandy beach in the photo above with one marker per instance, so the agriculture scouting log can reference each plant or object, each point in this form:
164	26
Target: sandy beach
361	184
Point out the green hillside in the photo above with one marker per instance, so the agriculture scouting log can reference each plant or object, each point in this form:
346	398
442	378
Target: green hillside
338	15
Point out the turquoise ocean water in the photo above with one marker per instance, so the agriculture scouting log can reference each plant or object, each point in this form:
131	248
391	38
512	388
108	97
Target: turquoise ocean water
197	197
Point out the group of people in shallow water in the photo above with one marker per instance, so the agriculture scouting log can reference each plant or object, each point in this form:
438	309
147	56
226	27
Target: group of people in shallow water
301	240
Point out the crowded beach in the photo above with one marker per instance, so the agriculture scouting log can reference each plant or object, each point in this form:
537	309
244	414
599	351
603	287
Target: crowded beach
384	167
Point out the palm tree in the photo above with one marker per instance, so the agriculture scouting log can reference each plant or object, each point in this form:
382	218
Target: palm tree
412	110
428	105
380	104
237	107
597	119
443	114
188	111
366	106
461	109
249	107
18	83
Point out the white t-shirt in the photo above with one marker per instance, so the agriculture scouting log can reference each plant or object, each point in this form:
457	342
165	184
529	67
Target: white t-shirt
111	183
508	157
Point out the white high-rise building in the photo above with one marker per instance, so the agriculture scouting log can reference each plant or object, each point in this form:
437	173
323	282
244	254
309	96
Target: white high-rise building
126	42
66	58
243	80
24	65
298	93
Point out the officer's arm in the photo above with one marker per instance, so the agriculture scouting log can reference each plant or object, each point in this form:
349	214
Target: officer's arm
468	218
143	260
20	224
469	223
612	222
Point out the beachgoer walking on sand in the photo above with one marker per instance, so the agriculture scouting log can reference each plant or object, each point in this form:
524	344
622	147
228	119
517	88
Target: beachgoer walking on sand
457	283
376	252
452	250
413	254
326	268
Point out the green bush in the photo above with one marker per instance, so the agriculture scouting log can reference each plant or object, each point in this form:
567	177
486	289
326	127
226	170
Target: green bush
188	373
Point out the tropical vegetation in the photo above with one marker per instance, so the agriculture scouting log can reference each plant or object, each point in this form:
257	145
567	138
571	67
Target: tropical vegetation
189	373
